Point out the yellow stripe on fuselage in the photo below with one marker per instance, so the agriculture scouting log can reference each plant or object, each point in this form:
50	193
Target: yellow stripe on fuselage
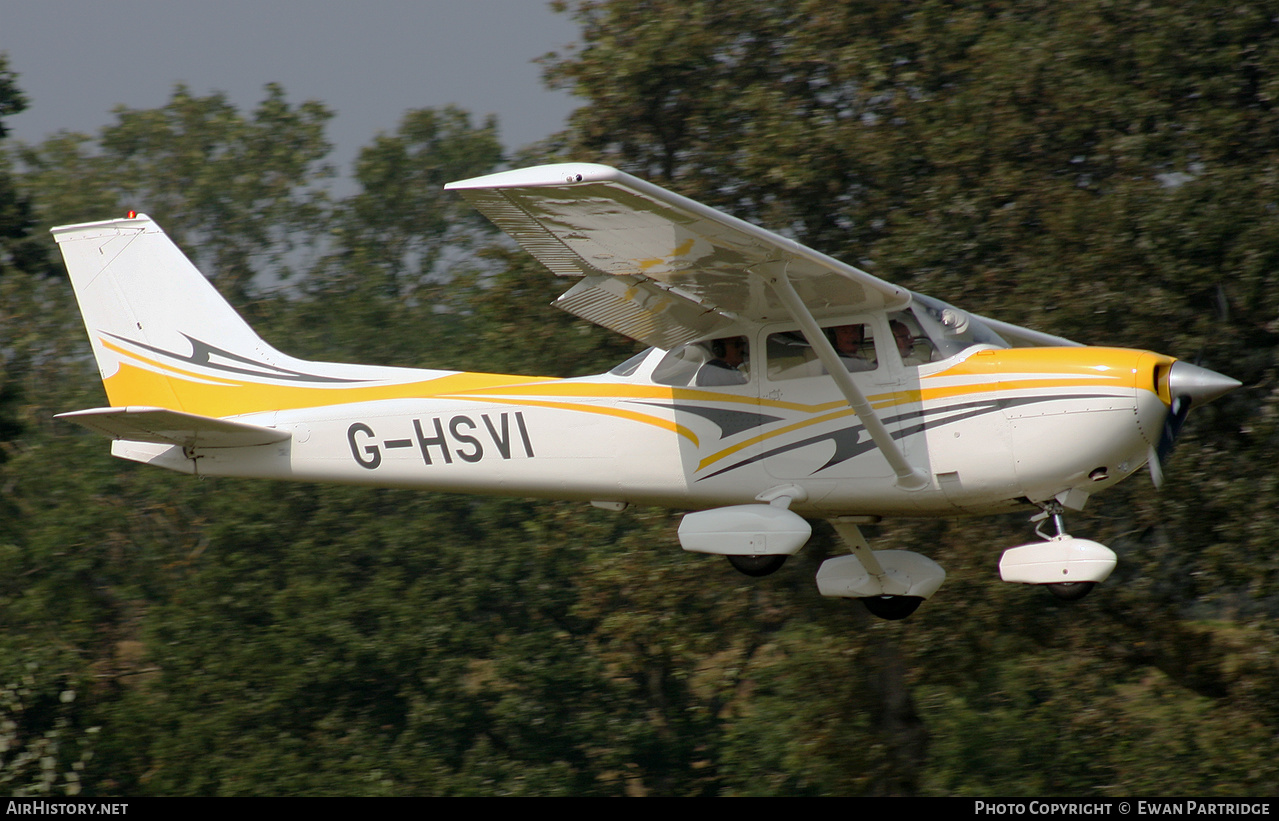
163	386
603	410
1013	372
763	437
144	380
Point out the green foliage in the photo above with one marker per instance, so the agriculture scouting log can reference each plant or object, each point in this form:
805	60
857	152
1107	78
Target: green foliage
395	249
19	252
242	191
399	224
48	594
1079	724
38	758
12	100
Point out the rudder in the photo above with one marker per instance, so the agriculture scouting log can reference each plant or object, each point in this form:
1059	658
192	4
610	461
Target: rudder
148	310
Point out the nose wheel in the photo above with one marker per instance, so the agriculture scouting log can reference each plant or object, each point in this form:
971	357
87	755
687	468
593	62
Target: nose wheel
1070	568
1070	591
1062	591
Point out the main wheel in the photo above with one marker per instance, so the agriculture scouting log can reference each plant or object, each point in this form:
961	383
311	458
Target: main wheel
892	608
757	565
1070	591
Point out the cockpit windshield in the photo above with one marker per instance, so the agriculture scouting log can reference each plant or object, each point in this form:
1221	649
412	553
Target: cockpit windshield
950	329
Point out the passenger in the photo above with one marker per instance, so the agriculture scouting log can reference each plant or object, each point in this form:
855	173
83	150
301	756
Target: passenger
725	368
848	341
905	343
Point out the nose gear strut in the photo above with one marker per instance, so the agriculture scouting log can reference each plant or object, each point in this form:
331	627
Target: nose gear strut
1069	567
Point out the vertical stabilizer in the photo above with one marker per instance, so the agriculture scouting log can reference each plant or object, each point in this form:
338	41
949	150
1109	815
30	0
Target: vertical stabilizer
165	339
153	319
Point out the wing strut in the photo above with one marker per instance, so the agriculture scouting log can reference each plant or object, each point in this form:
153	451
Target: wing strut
907	477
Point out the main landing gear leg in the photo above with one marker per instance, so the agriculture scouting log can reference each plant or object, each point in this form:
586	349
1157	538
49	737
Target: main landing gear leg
890	583
756	539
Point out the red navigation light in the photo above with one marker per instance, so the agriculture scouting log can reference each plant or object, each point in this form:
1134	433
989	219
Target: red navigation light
132	214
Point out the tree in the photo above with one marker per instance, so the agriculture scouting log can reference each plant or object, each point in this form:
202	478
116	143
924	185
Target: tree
18	250
88	552
398	246
45	739
402	220
242	193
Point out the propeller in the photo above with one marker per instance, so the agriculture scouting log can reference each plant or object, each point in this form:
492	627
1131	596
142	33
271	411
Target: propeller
1189	385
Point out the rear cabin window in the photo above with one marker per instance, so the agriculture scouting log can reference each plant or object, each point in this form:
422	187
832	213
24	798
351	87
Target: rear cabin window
712	363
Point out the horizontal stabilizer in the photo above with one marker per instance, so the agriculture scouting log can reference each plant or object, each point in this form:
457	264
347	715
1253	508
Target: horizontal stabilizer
168	427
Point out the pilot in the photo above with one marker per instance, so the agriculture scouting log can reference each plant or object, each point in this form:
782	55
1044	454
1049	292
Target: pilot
848	341
905	343
725	368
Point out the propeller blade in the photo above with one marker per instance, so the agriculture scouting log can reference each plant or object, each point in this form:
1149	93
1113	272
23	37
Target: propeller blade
1177	413
1189	385
1176	417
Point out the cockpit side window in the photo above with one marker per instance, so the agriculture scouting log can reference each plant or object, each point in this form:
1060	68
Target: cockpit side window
914	347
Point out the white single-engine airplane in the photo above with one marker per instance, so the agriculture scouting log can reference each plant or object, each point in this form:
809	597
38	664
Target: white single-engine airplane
781	382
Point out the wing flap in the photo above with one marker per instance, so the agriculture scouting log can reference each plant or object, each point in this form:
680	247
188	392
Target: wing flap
167	427
640	309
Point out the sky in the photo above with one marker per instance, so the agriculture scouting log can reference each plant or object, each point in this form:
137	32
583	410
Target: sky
369	61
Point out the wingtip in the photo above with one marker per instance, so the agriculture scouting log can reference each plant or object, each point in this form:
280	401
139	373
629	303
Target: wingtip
572	173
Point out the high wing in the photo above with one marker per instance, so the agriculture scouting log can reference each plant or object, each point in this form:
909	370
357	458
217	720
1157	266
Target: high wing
658	267
1020	337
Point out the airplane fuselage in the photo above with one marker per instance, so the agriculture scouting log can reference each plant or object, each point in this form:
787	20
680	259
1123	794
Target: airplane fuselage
990	428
